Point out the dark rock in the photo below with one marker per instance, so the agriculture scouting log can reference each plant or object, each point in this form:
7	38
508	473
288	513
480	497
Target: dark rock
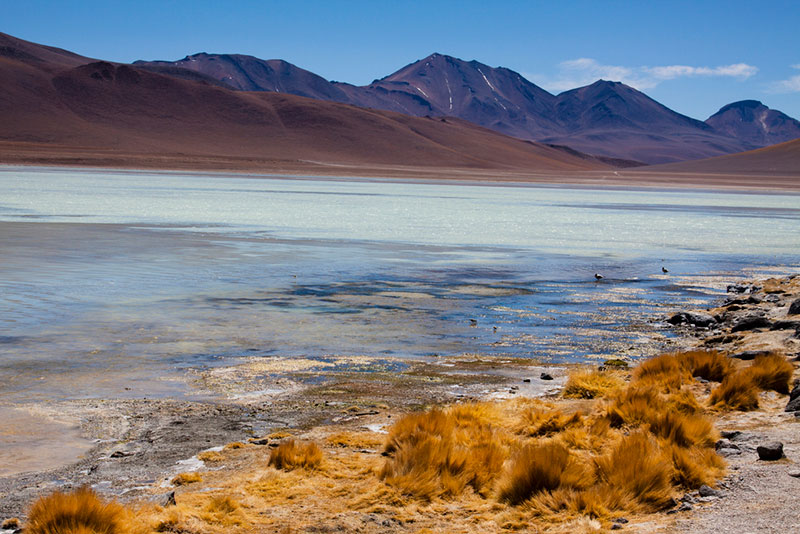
771	451
785	325
120	454
772	298
526	380
750	322
699	319
795	391
737	288
708	491
621	520
794	308
793	405
616	526
687	497
725	444
754	299
749	354
168	500
545	376
259	441
729	451
730	434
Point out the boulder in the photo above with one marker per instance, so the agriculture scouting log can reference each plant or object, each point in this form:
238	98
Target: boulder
794	308
699	319
546	376
750	322
793	405
737	288
769	452
708	491
785	325
747	355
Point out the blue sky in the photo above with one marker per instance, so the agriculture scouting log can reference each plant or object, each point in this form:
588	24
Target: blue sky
694	57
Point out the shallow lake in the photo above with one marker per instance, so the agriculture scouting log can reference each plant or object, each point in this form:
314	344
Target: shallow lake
121	283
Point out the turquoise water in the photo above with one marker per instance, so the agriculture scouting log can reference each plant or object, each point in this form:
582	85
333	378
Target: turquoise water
118	278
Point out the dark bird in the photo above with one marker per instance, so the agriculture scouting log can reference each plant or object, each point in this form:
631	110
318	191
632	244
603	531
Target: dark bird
664	270
598	276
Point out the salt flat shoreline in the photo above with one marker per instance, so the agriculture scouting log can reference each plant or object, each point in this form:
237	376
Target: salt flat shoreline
142	443
622	179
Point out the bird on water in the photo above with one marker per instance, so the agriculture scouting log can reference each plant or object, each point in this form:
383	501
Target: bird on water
598	276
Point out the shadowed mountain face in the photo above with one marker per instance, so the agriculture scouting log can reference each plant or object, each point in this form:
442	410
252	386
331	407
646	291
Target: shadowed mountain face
605	118
753	122
57	101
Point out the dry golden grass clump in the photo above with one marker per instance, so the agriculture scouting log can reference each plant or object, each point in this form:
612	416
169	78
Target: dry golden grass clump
709	365
210	457
291	454
441	452
77	512
593	384
542	467
771	372
181	479
537	421
665	371
739	390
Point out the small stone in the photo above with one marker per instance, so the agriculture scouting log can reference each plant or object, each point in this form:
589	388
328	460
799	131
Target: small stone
620	520
795	473
546	376
730	434
616	526
772	298
794	308
749	354
769	452
725	451
708	491
120	454
795	393
793	405
737	288
10	523
725	444
685	507
687	497
526	380
259	441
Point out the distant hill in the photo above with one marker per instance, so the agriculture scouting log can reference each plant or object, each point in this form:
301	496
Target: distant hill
605	118
57	103
781	159
753	122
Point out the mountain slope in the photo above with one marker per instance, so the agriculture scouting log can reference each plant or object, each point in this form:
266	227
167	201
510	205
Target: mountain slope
752	121
103	109
604	118
613	119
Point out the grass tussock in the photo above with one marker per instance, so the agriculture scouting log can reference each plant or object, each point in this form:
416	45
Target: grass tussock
593	384
536	421
638	467
736	392
542	467
664	371
771	372
709	365
77	512
291	454
182	479
440	453
210	457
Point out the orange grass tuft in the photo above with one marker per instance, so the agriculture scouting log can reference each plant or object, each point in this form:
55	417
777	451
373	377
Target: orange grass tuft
710	365
771	372
639	468
736	392
291	454
592	384
665	371
542	467
78	512
181	479
696	466
543	422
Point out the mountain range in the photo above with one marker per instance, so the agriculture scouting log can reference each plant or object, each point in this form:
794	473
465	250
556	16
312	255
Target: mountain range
605	118
61	108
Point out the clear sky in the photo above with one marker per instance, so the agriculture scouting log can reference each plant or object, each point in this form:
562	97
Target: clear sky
692	56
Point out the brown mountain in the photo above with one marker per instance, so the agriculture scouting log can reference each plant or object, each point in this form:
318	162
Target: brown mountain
782	159
605	118
755	123
61	108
